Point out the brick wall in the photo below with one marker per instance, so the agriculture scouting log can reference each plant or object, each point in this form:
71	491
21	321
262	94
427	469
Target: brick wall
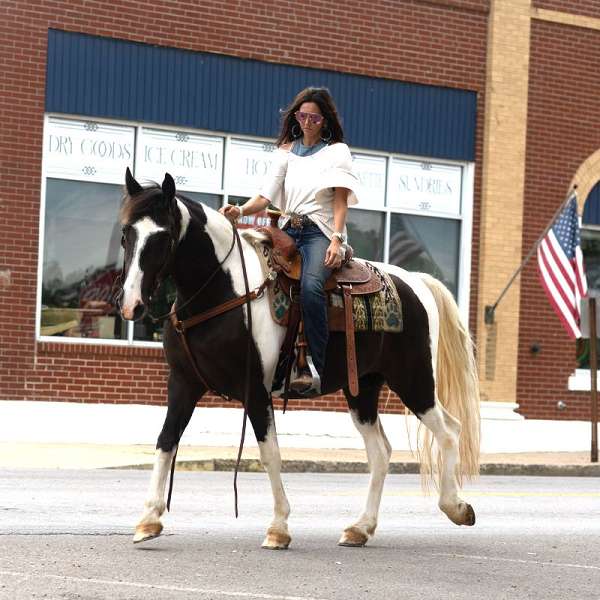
563	130
440	42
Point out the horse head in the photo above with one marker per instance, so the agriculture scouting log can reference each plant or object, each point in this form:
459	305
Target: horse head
151	226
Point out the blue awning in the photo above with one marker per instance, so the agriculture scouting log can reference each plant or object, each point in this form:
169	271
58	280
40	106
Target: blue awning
111	78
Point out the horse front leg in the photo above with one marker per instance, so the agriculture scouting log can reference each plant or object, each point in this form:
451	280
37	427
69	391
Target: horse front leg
263	423
181	403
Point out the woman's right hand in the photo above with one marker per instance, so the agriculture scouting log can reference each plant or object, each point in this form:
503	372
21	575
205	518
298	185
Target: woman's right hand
231	211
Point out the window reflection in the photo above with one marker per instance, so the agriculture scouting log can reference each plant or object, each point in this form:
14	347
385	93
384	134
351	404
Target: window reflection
366	233
82	260
426	244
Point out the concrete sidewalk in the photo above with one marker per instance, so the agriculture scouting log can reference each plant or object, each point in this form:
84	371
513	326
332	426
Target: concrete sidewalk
17	455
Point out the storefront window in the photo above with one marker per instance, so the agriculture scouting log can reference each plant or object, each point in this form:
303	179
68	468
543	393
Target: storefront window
81	260
84	165
426	244
366	233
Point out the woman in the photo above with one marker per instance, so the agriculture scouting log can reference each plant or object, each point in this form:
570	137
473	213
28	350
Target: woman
312	183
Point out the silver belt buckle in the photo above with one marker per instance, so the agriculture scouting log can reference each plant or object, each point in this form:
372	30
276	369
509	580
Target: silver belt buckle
297	221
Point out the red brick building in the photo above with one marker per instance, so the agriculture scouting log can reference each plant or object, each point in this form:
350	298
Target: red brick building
499	97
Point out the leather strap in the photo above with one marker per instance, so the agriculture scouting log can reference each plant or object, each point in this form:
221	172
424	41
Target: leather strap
350	341
248	356
181	326
186	347
288	346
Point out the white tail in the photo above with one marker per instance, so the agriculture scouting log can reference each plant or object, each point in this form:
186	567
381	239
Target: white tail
457	384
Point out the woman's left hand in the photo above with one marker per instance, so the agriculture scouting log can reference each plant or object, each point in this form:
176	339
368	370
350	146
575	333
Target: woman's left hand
333	258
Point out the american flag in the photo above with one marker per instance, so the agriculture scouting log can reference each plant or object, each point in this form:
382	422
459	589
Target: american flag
560	266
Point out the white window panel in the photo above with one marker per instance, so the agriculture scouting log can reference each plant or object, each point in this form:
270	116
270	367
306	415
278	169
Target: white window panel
87	150
194	161
248	164
424	187
371	172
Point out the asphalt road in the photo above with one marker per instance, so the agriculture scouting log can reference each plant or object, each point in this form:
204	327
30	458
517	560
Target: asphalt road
67	535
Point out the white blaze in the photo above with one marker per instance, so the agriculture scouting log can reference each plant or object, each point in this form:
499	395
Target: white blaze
132	288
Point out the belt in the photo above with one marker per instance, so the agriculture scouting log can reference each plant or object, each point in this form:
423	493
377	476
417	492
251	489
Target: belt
299	221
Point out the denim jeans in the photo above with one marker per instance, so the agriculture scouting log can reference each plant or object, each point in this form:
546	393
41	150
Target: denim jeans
312	244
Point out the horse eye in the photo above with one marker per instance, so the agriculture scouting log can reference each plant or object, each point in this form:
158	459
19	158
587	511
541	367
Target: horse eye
124	231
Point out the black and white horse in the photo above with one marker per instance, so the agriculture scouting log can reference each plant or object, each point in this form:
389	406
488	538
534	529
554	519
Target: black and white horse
429	364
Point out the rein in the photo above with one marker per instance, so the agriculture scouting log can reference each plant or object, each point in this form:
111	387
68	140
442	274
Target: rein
181	327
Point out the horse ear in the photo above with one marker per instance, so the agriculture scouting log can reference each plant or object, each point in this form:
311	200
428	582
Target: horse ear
168	188
133	187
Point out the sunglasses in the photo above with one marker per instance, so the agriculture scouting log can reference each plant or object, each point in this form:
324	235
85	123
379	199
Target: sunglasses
314	118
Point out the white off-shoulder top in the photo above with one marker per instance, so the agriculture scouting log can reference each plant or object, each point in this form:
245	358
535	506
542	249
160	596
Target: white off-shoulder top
305	184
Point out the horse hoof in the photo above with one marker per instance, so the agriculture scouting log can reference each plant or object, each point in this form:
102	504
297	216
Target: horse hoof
353	537
276	540
147	531
469	516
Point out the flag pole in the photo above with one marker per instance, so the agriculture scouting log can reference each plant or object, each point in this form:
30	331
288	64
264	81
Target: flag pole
594	381
491	308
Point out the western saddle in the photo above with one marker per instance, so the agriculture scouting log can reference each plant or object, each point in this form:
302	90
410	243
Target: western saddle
352	278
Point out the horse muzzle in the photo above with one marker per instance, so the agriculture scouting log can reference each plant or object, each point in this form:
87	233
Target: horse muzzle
134	312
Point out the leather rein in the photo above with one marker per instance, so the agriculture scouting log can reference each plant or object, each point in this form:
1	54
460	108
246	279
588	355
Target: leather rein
182	326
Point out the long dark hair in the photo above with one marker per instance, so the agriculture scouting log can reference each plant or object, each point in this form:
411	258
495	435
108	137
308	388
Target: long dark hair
322	98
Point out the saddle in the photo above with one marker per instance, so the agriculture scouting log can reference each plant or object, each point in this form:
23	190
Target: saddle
351	279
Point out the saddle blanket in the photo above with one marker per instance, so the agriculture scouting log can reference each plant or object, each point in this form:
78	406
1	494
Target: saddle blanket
381	311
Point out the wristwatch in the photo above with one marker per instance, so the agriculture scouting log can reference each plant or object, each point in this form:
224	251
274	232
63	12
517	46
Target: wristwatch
340	236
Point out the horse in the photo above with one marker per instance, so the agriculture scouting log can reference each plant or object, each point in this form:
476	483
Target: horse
429	364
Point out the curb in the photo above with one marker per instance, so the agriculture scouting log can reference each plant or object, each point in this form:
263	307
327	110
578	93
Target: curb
541	470
248	465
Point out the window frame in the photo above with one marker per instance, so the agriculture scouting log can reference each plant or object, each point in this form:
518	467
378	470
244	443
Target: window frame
465	216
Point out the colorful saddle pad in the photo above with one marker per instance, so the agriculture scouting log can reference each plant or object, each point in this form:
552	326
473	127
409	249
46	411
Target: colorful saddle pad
381	311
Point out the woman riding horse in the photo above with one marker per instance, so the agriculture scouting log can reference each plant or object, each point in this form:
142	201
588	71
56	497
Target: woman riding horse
234	350
312	183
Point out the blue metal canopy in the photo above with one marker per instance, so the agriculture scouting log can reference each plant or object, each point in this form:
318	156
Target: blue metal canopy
104	77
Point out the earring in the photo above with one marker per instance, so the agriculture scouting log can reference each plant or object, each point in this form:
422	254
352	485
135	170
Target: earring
328	138
298	133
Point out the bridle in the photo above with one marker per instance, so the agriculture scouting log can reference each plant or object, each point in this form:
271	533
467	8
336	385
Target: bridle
164	270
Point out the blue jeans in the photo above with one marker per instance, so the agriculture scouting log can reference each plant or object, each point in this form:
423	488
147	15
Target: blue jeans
312	244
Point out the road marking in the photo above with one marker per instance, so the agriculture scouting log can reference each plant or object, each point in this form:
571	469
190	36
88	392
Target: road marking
150	586
518	560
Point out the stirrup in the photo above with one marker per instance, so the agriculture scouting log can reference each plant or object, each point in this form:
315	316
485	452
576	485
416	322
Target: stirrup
313	388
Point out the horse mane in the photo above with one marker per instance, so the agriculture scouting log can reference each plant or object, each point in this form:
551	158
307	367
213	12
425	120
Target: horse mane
144	203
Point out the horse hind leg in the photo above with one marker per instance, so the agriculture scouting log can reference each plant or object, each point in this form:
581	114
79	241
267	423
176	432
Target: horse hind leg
182	401
363	409
446	431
